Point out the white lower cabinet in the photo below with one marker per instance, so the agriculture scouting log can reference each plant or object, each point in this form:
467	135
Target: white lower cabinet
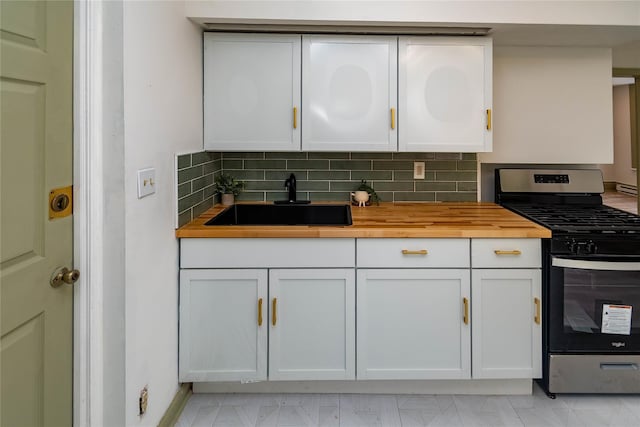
413	324
222	335
312	324
507	330
300	317
225	315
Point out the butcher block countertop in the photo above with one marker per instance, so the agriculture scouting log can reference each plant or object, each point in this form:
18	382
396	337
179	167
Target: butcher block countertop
446	219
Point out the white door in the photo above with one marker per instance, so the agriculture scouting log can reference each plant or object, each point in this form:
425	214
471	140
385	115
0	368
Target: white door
349	93
312	324
413	324
251	92
36	80
507	324
223	325
444	86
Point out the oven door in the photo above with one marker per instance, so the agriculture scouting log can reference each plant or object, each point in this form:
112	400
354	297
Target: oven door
594	305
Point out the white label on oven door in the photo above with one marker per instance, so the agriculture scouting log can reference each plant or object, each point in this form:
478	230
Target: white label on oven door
616	319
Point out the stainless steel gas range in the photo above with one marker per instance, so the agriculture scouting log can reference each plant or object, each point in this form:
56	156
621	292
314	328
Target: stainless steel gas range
591	279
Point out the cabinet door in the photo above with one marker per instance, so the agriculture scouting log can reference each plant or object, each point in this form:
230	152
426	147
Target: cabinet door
251	88
312	324
222	337
411	324
444	94
349	93
507	330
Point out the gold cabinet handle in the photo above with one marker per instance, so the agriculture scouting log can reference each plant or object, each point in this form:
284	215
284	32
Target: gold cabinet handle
260	312
465	302
393	118
295	117
489	119
536	319
420	252
513	252
274	311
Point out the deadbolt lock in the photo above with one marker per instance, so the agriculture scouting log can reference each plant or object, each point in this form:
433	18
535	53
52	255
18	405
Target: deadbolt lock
60	202
64	275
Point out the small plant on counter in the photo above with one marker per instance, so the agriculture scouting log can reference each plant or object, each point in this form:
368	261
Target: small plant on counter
369	189
228	187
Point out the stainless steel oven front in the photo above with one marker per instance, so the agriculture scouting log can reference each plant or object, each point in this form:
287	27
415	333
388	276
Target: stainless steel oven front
593	324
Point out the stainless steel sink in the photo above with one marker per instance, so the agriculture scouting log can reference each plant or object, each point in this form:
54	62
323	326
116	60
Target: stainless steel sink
283	215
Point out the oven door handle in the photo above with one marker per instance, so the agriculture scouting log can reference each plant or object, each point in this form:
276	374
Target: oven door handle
595	265
619	366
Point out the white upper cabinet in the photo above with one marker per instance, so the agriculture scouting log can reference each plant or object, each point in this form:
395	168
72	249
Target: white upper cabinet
445	94
251	92
349	93
274	92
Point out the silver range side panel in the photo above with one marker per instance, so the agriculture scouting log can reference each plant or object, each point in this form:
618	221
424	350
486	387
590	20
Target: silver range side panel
594	373
523	181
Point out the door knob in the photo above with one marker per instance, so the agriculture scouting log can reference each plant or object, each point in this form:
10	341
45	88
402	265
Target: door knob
64	275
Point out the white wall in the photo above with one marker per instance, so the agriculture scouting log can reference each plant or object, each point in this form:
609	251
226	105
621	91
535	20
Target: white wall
107	288
621	171
627	56
551	105
162	116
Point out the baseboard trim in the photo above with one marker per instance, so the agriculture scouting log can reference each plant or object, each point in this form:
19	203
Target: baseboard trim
171	415
497	386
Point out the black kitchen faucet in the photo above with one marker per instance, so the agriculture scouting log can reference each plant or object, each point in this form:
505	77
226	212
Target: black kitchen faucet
290	184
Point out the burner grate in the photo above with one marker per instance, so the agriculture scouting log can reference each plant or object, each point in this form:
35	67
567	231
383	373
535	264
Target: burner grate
577	218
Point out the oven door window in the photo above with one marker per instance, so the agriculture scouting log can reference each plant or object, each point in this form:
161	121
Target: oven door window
595	309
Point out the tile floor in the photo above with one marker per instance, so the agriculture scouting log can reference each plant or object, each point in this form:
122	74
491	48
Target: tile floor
621	201
410	410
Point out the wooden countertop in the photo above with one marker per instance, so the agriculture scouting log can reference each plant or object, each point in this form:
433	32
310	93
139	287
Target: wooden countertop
447	219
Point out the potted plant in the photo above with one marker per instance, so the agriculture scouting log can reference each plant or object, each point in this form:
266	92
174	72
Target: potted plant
365	194
228	187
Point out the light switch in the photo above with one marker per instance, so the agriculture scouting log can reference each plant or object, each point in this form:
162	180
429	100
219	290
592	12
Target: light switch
418	170
146	182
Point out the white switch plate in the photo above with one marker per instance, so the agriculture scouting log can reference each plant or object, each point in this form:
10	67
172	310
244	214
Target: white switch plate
146	182
418	170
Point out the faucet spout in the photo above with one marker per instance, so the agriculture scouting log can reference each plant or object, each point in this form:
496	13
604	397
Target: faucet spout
290	184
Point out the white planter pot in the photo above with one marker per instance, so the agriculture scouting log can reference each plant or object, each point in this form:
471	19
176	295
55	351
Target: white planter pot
228	199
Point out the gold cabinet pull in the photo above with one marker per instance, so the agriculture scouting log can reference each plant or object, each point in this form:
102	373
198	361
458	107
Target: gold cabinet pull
295	117
260	312
393	118
513	252
420	252
465	301
536	319
274	305
489	119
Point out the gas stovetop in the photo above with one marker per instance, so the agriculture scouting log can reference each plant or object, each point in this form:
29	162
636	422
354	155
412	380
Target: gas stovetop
580	218
563	200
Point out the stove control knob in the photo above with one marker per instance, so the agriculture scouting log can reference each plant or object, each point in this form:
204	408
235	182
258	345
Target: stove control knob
591	247
572	246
